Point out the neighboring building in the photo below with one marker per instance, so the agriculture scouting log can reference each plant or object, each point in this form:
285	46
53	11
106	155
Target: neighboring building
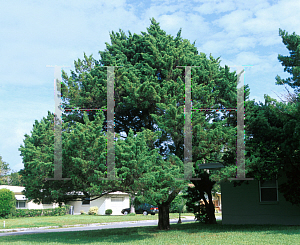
116	201
217	201
22	201
257	203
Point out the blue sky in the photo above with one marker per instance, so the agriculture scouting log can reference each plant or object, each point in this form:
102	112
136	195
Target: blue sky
35	34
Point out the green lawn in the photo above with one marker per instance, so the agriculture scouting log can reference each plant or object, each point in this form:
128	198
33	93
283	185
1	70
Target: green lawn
60	221
187	233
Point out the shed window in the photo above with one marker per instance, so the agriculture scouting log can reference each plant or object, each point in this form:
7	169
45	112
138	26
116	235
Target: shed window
268	190
117	199
86	201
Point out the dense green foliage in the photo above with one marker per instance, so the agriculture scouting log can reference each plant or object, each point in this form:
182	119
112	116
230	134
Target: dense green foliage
108	211
7	202
149	93
178	204
59	211
273	144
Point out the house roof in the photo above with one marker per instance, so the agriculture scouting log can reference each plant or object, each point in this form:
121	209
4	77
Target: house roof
20	197
15	189
118	193
79	193
19	189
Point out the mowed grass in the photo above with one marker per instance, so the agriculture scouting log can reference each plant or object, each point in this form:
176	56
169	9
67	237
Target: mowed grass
60	221
186	233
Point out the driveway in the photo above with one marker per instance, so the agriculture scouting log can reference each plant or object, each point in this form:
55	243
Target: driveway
89	227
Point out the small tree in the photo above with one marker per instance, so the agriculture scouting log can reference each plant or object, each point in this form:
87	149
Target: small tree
15	179
177	203
180	207
7	202
4	169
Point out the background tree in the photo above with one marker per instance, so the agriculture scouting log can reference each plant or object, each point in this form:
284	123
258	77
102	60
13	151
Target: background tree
15	179
291	63
274	145
273	130
4	170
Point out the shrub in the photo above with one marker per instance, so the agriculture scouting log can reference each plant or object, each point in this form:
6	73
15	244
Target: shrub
7	203
82	212
93	210
131	214
45	212
108	211
178	205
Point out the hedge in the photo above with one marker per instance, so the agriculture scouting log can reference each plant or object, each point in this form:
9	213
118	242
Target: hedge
7	203
59	211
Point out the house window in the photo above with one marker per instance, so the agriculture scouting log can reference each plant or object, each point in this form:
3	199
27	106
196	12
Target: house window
20	204
86	201
268	190
117	199
46	202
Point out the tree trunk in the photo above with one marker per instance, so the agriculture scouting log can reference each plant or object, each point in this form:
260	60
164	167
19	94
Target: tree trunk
163	217
210	209
132	209
179	220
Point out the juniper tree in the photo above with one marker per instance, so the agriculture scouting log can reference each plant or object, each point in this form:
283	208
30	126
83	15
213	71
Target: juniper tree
150	91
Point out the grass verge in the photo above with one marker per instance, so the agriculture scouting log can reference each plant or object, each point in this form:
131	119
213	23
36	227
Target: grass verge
188	233
60	221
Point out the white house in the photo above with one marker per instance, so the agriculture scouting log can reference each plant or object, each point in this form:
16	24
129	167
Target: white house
116	201
21	200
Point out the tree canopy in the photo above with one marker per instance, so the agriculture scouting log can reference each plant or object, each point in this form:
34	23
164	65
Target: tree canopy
149	102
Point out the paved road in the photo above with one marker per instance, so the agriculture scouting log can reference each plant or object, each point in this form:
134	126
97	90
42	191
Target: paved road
96	226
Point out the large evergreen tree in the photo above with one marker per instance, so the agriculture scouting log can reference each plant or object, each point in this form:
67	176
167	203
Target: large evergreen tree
150	92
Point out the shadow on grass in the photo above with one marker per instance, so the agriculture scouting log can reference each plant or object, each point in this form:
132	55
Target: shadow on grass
216	228
136	235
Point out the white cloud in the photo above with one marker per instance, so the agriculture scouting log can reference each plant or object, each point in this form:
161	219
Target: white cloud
214	7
